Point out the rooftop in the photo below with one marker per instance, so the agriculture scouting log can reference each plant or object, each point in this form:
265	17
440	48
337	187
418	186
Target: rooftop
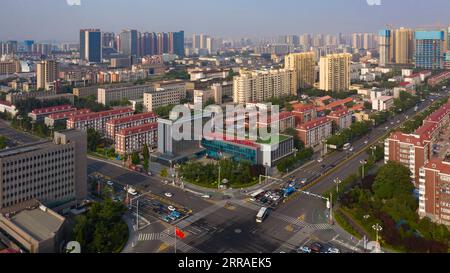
52	109
132	118
100	114
139	129
41	223
439	165
313	123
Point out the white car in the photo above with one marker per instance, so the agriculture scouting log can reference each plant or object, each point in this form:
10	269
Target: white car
320	160
351	149
110	183
366	142
132	191
206	196
333	250
171	208
168	194
303	181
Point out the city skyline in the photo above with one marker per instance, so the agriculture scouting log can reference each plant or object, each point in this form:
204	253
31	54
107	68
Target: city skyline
300	17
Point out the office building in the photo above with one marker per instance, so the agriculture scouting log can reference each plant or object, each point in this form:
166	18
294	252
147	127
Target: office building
109	40
115	125
303	65
129	42
53	172
161	97
176	43
429	49
91	45
107	95
259	86
46	74
97	121
134	139
335	72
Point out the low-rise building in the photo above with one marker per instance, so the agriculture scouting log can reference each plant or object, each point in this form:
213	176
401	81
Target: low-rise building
314	132
343	118
133	139
40	114
438	79
115	125
61	118
7	107
34	228
161	97
97	121
113	94
383	103
285	120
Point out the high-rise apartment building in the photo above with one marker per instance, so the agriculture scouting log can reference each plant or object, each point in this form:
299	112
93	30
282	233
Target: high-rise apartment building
335	72
404	46
259	86
303	65
385	46
430	49
46	74
55	172
91	45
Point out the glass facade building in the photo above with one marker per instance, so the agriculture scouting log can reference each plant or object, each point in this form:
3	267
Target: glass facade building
237	151
429	49
91	45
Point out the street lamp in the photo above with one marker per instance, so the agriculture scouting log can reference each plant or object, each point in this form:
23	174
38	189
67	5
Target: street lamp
363	162
378	228
373	148
337	181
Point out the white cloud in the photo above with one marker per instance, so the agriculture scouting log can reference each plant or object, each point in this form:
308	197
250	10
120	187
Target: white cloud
73	2
374	2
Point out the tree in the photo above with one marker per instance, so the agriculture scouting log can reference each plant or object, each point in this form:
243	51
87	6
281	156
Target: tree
93	139
145	152
393	180
164	173
101	229
135	159
298	143
3	142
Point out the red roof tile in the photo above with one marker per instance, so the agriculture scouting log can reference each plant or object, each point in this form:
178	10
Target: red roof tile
139	129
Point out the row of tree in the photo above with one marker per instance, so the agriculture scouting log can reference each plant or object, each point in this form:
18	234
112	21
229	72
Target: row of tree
357	129
297	160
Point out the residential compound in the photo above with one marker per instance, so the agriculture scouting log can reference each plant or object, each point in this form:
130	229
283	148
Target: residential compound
116	125
52	172
260	86
97	121
40	114
314	132
420	153
335	72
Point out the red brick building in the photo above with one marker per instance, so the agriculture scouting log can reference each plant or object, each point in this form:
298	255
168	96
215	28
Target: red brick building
434	191
312	133
97	121
133	139
115	125
342	117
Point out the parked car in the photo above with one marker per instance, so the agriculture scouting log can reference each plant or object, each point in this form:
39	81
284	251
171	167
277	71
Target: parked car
304	249
316	247
171	208
333	250
304	180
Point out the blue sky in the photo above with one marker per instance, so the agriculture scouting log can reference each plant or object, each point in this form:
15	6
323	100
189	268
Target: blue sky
55	20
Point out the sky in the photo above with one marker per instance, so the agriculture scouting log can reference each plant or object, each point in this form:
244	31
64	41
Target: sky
56	20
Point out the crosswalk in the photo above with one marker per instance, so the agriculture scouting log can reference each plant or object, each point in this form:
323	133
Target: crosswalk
149	236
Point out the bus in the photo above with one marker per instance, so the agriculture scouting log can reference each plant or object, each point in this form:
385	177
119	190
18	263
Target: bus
262	214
